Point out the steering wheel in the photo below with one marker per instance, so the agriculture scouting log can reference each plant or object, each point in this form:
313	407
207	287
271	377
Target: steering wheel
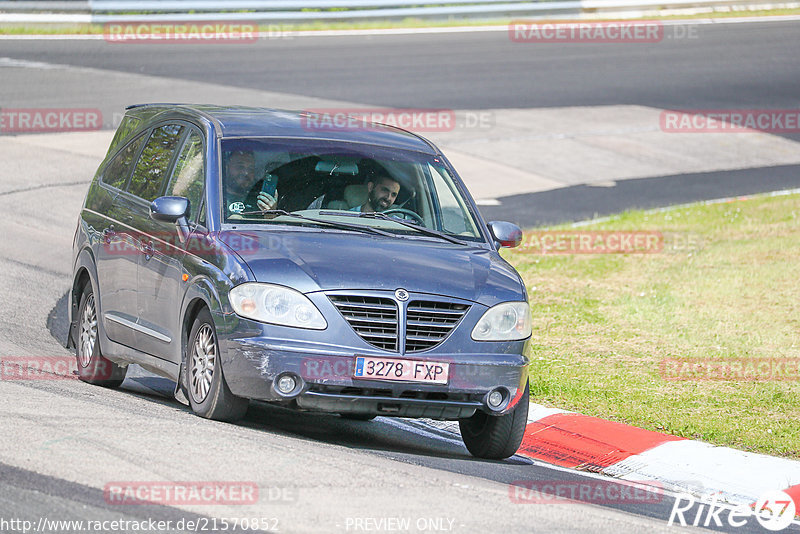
406	214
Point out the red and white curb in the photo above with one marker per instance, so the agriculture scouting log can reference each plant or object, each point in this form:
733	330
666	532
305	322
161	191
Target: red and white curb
584	443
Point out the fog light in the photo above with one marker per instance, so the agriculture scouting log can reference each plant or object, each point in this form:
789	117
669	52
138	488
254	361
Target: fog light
286	384
495	399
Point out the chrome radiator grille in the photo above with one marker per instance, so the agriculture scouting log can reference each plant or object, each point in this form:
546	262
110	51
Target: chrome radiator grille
373	318
428	323
376	320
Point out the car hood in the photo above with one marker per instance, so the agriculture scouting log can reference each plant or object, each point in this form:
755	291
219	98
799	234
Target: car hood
332	260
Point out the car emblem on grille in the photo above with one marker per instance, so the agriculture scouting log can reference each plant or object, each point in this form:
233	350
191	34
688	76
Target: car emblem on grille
401	295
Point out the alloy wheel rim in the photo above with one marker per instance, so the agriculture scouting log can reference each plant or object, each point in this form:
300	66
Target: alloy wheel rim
88	336
204	359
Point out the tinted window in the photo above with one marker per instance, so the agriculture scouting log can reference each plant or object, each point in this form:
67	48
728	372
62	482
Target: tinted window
339	181
151	169
126	128
117	172
454	211
188	177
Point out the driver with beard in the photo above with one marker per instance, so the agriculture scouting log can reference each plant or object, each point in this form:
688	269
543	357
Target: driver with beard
382	191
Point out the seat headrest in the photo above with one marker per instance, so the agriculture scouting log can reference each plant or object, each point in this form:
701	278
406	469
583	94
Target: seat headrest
355	194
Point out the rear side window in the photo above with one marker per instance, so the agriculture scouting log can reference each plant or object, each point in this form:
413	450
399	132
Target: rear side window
188	178
117	172
151	169
126	128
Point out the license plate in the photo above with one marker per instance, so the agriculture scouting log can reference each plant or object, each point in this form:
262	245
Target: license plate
401	370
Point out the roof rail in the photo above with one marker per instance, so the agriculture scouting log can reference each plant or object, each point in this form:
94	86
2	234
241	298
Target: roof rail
154	104
177	105
424	140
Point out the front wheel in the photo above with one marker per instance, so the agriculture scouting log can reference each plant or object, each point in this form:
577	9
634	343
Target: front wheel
209	395
93	367
496	437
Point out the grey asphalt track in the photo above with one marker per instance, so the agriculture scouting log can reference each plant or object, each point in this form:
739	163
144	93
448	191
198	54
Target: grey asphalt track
719	66
583	202
713	66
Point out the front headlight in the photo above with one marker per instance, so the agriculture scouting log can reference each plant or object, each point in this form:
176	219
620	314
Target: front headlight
273	304
509	321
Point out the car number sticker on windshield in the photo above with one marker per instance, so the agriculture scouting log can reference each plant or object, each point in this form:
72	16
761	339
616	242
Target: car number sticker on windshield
401	370
236	207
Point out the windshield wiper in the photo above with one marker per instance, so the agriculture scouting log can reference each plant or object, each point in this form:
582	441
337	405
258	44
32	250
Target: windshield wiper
336	224
408	224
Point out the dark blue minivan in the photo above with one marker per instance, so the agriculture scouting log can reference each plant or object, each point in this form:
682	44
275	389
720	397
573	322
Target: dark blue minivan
246	253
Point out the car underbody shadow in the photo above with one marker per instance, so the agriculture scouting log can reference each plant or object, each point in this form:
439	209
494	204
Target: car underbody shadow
58	320
383	434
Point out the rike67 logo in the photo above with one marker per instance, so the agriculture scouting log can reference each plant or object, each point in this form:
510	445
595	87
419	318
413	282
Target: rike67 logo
774	511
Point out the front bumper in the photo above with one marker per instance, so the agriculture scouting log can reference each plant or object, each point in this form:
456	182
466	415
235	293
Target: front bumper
255	355
373	402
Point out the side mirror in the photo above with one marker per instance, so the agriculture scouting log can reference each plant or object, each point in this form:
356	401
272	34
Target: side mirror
169	209
172	210
505	234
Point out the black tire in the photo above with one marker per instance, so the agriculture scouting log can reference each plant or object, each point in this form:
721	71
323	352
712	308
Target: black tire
209	395
496	437
93	367
358	416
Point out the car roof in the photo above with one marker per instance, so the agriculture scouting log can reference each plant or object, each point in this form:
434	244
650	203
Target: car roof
243	121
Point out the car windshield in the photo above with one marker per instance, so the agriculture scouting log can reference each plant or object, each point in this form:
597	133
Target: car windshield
337	182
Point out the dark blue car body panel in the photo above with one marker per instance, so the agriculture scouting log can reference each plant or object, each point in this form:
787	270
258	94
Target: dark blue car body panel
147	301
